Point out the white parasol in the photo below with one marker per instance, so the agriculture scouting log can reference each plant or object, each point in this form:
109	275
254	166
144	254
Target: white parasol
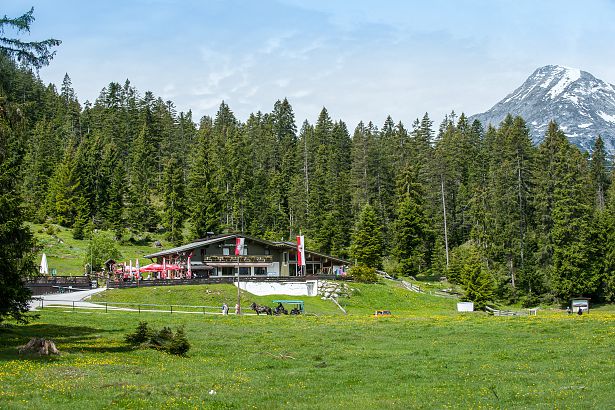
44	269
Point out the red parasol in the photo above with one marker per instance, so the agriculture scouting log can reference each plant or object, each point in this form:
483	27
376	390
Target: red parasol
152	267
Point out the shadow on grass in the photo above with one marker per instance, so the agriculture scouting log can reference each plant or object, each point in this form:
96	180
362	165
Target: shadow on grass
78	338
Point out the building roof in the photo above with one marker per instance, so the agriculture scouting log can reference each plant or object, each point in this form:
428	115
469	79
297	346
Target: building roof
220	238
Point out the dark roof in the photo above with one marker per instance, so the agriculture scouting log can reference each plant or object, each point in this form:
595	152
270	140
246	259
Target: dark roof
219	238
208	241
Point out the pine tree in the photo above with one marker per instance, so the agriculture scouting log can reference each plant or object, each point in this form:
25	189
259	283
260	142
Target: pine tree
566	212
16	241
35	53
470	270
205	202
141	213
174	201
81	218
607	221
507	208
63	191
599	174
366	246
411	229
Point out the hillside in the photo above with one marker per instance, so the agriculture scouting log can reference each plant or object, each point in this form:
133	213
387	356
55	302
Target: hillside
68	255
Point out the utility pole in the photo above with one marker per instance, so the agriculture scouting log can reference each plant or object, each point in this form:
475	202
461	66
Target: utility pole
238	288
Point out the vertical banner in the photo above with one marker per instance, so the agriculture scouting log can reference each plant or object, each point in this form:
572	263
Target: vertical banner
164	267
301	252
239	244
190	265
138	271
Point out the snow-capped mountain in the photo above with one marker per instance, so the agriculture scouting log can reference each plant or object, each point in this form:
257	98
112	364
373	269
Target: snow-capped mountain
581	104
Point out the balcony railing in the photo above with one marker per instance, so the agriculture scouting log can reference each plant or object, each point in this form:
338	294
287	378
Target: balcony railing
243	258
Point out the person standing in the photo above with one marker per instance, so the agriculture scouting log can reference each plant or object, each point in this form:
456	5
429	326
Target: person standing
237	309
224	309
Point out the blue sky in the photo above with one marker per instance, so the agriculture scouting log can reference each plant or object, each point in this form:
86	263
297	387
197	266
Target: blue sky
363	60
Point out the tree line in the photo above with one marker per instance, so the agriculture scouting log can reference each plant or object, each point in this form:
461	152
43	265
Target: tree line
483	207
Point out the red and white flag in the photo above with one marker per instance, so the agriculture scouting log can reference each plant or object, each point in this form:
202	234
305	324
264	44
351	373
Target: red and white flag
189	263
239	243
300	250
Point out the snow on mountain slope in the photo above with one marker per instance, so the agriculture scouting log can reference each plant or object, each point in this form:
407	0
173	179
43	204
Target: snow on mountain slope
581	104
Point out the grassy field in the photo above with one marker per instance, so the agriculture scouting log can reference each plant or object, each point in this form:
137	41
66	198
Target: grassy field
425	356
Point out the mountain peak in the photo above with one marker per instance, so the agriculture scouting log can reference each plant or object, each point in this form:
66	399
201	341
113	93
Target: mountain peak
581	104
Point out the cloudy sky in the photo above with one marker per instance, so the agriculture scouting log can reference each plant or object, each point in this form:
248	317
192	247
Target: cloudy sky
363	60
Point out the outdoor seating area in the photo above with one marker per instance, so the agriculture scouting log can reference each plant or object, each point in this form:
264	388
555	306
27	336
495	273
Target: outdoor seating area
126	272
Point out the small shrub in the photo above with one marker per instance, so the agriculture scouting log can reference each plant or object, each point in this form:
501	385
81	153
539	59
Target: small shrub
362	273
161	340
179	345
164	339
141	335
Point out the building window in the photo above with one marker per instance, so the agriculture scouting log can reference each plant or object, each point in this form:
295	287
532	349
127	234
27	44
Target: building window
260	270
267	251
293	257
226	251
285	258
245	270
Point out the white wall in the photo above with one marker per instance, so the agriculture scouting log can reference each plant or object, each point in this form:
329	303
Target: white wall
275	288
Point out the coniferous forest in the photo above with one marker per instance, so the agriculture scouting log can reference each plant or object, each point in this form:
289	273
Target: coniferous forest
481	206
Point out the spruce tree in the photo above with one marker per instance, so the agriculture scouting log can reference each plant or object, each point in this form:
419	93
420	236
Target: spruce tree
63	191
16	242
469	269
565	217
205	202
599	174
410	227
174	201
366	246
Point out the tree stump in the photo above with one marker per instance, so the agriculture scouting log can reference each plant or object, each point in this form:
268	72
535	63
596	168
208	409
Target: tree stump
41	346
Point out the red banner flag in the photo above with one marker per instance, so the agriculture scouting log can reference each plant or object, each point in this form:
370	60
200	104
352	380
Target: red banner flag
239	243
300	251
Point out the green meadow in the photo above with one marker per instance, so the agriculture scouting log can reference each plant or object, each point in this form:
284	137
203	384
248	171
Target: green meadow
425	356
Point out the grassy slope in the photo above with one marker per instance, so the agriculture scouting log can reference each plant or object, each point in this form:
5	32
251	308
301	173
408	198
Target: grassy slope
422	361
207	295
68	256
364	300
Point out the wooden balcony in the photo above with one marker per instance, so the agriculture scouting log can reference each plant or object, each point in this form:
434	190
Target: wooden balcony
242	259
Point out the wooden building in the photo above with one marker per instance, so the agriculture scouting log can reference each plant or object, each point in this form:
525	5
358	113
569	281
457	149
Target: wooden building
215	256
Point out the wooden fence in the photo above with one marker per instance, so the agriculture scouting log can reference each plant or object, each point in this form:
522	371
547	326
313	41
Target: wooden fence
42	285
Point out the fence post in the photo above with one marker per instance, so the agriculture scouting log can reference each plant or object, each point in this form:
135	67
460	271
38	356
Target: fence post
171	309
73	305
106	306
42	302
139	308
